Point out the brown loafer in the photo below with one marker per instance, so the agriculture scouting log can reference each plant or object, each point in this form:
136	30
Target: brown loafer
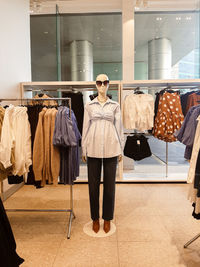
106	226
96	226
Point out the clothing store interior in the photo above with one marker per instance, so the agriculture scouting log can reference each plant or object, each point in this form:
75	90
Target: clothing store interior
100	133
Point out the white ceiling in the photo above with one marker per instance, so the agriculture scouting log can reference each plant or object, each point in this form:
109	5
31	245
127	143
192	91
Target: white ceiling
88	6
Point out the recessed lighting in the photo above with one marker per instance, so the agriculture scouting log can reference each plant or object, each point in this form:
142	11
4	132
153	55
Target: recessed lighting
158	18
46	32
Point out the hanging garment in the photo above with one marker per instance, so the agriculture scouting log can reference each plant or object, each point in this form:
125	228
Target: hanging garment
22	148
137	147
138	112
77	106
16	139
186	133
169	117
7	137
102	130
184	99
43	102
195	152
194	174
9	257
66	137
33	116
157	99
192	100
46	157
5	172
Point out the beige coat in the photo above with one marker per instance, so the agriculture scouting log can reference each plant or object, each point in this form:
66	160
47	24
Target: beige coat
46	157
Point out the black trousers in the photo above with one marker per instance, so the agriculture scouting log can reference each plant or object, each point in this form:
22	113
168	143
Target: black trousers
94	178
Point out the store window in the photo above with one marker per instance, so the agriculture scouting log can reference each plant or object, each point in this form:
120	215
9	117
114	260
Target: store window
167	45
89	44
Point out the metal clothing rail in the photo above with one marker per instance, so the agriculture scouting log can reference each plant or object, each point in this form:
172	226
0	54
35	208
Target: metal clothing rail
71	209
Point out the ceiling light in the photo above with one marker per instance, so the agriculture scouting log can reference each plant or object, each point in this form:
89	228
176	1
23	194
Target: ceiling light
46	32
137	8
188	18
178	18
158	18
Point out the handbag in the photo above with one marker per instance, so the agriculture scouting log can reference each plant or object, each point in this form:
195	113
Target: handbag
137	147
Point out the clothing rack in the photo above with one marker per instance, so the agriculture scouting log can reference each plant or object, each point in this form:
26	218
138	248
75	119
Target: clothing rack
71	209
155	85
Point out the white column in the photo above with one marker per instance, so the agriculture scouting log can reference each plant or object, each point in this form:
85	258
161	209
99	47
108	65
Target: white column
128	32
159	58
128	39
15	62
81	53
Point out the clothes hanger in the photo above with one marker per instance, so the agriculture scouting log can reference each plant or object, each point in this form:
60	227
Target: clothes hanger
137	91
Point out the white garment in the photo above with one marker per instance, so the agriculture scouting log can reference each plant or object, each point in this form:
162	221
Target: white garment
7	141
192	193
195	151
138	112
102	130
22	134
16	134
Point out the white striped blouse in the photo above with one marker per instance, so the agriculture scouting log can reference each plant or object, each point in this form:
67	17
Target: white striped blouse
102	129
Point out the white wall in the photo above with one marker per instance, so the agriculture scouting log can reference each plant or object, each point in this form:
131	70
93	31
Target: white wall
15	65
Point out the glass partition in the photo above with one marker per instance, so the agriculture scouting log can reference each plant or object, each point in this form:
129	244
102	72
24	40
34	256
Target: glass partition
167	45
89	44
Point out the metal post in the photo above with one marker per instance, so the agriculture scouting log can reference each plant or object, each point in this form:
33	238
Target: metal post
166	159
58	53
191	241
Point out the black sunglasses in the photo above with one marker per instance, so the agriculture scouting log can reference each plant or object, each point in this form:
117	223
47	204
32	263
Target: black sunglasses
105	83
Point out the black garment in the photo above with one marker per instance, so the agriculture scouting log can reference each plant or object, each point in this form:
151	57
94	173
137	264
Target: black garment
33	116
137	147
184	99
197	174
8	255
67	161
77	106
156	105
15	179
94	178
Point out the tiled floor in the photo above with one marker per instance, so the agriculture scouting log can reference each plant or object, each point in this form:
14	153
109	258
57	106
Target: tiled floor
153	222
